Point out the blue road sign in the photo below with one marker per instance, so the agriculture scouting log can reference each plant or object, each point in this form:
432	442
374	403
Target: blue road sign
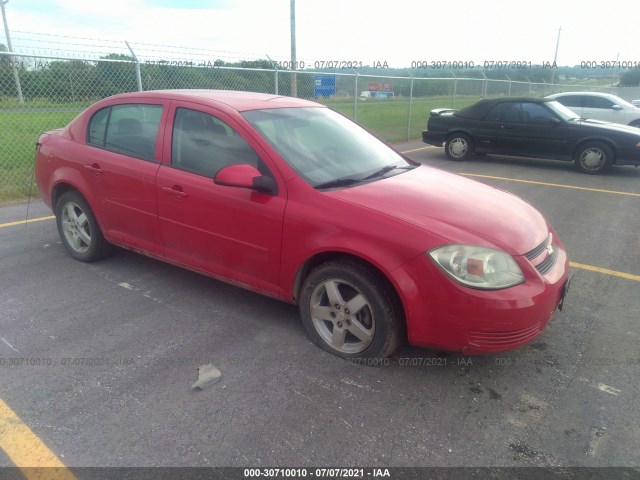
324	85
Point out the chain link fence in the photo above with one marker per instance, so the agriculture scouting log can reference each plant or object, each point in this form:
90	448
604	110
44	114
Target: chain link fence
44	92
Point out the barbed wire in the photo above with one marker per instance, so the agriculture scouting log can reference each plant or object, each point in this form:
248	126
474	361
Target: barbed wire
68	45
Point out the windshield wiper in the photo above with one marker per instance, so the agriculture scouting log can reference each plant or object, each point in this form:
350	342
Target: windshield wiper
338	182
385	169
344	182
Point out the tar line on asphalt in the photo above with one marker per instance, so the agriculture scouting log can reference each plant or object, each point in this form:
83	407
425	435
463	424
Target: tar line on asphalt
22	222
559	185
26	450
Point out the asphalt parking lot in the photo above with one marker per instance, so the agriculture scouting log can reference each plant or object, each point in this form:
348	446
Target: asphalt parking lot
119	342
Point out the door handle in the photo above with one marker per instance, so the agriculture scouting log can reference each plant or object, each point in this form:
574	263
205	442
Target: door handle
506	127
95	168
176	191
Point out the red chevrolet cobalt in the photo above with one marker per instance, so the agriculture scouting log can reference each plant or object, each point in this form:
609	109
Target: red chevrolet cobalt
290	199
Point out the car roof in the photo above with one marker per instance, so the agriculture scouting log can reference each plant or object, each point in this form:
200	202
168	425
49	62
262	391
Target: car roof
591	94
480	109
240	101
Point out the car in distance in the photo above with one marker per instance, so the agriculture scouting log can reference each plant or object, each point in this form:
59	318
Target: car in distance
532	127
600	106
288	198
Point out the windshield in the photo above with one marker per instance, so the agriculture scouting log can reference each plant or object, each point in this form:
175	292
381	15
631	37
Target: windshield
564	112
323	147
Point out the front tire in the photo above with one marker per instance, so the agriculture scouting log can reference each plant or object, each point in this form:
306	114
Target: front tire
348	310
458	147
78	228
594	158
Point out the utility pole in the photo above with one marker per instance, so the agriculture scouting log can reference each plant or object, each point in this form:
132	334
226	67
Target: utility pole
555	57
10	47
294	80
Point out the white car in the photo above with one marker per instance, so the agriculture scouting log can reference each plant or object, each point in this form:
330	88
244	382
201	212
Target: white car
600	106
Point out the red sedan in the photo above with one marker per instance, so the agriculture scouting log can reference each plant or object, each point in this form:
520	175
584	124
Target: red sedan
288	198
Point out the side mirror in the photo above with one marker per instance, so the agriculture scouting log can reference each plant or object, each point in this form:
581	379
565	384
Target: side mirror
246	176
554	122
616	107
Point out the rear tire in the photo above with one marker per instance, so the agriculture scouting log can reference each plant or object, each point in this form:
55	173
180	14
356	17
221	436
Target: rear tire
458	147
78	228
594	158
348	310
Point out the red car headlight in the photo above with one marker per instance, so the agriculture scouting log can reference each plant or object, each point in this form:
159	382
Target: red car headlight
478	267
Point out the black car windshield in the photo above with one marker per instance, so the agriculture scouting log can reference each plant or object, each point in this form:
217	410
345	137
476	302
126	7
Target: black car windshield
562	111
325	148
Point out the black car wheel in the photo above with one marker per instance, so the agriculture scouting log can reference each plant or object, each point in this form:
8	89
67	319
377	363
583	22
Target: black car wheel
593	158
458	147
78	228
347	310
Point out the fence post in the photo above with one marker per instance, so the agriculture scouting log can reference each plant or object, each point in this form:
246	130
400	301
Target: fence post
355	98
528	80
483	88
455	90
410	108
135	58
275	67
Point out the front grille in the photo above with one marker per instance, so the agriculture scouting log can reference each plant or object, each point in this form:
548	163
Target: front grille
533	254
549	261
489	339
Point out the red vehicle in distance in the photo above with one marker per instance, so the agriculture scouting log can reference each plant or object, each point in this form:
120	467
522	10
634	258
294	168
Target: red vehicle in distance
288	198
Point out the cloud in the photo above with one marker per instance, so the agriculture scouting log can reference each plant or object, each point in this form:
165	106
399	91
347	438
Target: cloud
397	32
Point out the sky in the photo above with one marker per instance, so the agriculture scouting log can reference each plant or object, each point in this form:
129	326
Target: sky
396	33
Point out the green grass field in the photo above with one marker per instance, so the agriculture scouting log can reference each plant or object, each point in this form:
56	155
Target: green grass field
19	130
389	119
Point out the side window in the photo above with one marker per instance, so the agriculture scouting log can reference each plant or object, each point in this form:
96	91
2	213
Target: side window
598	102
128	129
574	101
504	112
203	144
536	114
508	112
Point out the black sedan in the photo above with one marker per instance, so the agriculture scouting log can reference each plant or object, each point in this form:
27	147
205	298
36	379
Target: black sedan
532	127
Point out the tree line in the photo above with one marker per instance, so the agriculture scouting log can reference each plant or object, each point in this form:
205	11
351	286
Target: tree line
81	81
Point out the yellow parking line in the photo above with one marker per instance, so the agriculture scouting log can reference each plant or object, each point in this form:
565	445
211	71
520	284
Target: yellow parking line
606	271
22	222
27	451
418	149
551	184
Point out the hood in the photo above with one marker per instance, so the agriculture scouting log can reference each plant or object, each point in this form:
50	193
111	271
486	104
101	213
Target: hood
612	127
455	208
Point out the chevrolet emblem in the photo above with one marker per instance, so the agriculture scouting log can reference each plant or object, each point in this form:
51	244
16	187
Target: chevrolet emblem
550	249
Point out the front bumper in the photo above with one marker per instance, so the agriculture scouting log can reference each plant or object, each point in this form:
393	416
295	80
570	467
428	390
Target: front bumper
627	156
443	314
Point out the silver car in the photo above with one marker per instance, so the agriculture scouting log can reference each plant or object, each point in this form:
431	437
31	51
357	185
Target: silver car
600	106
